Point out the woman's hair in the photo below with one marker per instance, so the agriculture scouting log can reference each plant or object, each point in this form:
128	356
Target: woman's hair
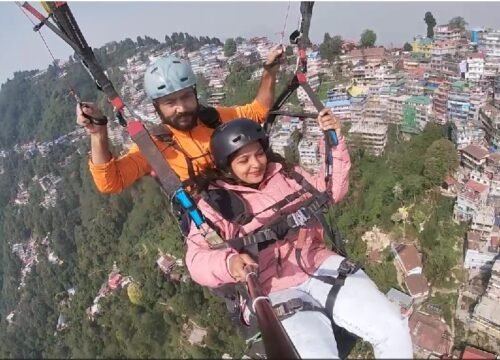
212	174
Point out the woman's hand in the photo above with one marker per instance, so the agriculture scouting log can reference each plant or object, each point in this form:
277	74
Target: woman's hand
236	266
327	121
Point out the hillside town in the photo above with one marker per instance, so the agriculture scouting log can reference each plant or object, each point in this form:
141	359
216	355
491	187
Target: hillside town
452	79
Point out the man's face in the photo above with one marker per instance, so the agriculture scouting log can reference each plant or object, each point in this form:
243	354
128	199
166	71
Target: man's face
179	110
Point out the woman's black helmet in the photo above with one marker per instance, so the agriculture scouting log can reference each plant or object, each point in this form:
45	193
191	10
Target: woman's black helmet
232	136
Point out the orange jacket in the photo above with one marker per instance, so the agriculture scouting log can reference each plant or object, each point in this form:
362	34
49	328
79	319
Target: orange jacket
119	173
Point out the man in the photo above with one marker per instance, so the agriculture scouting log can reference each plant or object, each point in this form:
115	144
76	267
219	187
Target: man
171	84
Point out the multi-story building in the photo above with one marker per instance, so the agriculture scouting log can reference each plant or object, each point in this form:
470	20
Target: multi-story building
358	104
372	137
458	102
483	221
374	110
489	44
341	108
489	117
475	67
440	103
478	254
415	87
473	157
464	134
416	112
470	199
309	153
487	312
444	47
446	32
477	100
395	105
422	45
279	141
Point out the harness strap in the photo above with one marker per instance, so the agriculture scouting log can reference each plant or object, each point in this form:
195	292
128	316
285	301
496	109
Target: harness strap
339	246
346	267
288	308
281	227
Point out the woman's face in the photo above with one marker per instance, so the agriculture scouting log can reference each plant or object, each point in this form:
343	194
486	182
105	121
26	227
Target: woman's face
249	163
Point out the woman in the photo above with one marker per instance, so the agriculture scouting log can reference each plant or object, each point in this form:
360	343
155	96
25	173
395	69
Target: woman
268	190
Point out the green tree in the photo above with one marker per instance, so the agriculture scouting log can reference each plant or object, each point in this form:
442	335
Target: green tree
458	22
407	47
368	38
330	47
440	160
430	21
229	47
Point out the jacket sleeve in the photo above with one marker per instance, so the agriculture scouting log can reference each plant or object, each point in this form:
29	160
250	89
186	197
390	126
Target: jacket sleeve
340	170
254	111
119	173
207	266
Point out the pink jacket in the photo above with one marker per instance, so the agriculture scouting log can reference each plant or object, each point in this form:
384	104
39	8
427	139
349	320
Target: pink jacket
278	268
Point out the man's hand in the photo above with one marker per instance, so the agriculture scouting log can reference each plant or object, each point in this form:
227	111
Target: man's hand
237	264
91	110
274	59
327	121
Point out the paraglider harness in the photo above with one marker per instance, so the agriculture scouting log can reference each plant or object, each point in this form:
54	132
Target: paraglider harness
294	215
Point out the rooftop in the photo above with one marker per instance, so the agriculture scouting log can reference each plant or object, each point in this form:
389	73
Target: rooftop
417	284
409	256
399	297
478	152
475	186
335	103
420	100
488	309
474	353
430	333
376	129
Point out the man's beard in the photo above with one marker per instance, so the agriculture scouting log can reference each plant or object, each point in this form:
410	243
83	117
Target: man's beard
184	121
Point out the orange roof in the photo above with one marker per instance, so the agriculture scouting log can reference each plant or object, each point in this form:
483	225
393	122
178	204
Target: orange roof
474	353
430	333
409	256
417	284
478	152
475	186
450	180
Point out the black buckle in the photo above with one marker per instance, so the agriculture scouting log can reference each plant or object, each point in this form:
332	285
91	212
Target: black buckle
347	267
294	37
289	307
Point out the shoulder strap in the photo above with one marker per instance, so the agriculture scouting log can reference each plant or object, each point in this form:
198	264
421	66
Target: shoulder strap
164	134
166	176
160	131
301	180
209	116
228	204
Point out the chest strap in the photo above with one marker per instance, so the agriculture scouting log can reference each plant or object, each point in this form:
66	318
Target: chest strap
280	227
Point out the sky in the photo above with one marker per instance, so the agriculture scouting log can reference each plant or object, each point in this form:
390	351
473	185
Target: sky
101	22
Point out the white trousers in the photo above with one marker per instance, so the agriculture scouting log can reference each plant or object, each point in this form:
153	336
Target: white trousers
360	308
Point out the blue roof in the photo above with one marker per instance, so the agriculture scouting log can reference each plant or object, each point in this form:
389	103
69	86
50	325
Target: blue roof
335	103
314	55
